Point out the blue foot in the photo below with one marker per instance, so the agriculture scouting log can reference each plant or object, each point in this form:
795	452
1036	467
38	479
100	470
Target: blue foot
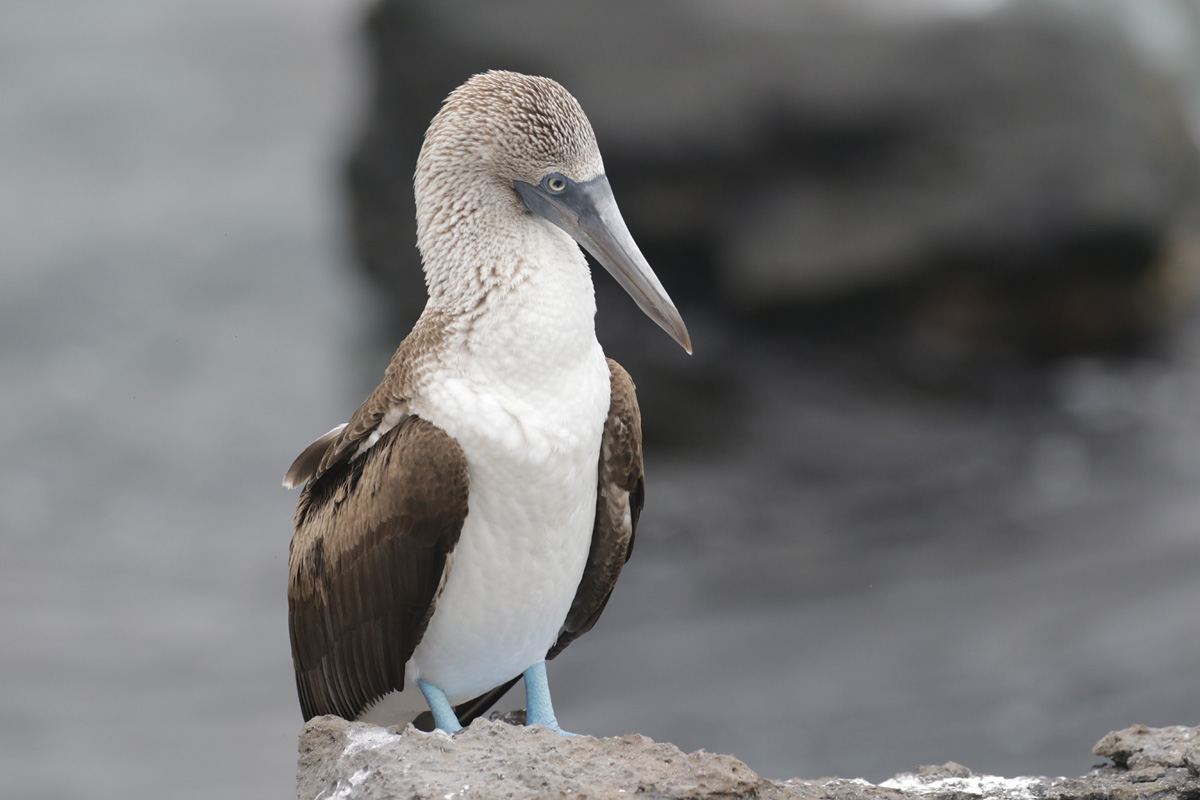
443	712
539	710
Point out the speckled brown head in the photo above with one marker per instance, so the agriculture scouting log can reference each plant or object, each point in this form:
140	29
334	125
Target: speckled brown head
508	151
507	126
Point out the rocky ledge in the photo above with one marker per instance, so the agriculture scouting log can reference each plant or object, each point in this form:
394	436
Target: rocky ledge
494	759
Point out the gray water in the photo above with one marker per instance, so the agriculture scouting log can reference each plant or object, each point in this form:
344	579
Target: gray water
857	576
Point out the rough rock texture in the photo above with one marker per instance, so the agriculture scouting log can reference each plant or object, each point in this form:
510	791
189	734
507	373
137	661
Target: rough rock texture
493	759
771	154
1153	754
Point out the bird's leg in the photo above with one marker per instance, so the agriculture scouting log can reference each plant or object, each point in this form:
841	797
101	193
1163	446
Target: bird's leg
539	710
443	713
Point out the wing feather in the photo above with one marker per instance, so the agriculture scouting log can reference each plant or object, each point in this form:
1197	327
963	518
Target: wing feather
306	464
618	506
373	538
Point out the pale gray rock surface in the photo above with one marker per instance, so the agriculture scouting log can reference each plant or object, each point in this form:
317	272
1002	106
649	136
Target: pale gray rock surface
494	759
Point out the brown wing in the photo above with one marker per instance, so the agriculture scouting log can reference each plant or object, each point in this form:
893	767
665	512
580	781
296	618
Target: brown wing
618	505
373	536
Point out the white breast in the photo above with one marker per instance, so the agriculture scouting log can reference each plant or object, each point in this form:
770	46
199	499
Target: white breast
526	401
525	540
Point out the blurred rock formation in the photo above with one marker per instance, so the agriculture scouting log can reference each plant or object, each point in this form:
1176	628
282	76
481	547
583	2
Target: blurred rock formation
496	759
1015	179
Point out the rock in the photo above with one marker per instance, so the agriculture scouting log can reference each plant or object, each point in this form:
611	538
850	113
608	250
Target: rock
1023	169
1139	749
340	759
495	759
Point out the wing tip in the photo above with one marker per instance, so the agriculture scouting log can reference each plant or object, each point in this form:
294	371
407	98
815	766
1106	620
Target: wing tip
305	466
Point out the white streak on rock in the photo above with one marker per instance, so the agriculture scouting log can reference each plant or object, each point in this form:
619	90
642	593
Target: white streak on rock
345	790
366	738
982	785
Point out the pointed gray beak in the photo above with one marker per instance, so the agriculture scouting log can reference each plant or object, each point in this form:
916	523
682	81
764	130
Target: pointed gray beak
588	213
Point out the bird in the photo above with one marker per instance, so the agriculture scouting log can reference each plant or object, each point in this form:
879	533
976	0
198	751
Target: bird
470	519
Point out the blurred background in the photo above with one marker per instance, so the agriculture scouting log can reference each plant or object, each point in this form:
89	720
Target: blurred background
927	491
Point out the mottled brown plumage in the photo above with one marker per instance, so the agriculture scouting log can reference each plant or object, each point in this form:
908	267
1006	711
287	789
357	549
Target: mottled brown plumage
483	443
375	534
373	538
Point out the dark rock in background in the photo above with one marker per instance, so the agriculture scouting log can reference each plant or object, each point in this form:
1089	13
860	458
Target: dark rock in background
1010	180
495	759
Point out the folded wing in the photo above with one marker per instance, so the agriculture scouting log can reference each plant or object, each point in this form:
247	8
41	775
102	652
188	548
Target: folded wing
618	505
375	535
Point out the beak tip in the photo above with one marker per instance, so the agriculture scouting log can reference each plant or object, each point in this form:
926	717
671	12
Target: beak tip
683	338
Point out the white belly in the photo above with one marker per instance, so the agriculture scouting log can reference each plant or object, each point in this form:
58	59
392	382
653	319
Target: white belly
513	577
525	392
532	460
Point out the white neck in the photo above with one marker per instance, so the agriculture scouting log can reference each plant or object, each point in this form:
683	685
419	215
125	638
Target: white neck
520	292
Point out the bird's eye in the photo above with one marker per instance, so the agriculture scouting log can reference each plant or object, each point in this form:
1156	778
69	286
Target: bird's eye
556	183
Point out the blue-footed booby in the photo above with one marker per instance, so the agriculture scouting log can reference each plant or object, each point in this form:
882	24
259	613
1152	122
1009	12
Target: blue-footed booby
471	518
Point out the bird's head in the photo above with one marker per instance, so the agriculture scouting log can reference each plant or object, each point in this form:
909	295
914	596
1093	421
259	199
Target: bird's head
521	143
